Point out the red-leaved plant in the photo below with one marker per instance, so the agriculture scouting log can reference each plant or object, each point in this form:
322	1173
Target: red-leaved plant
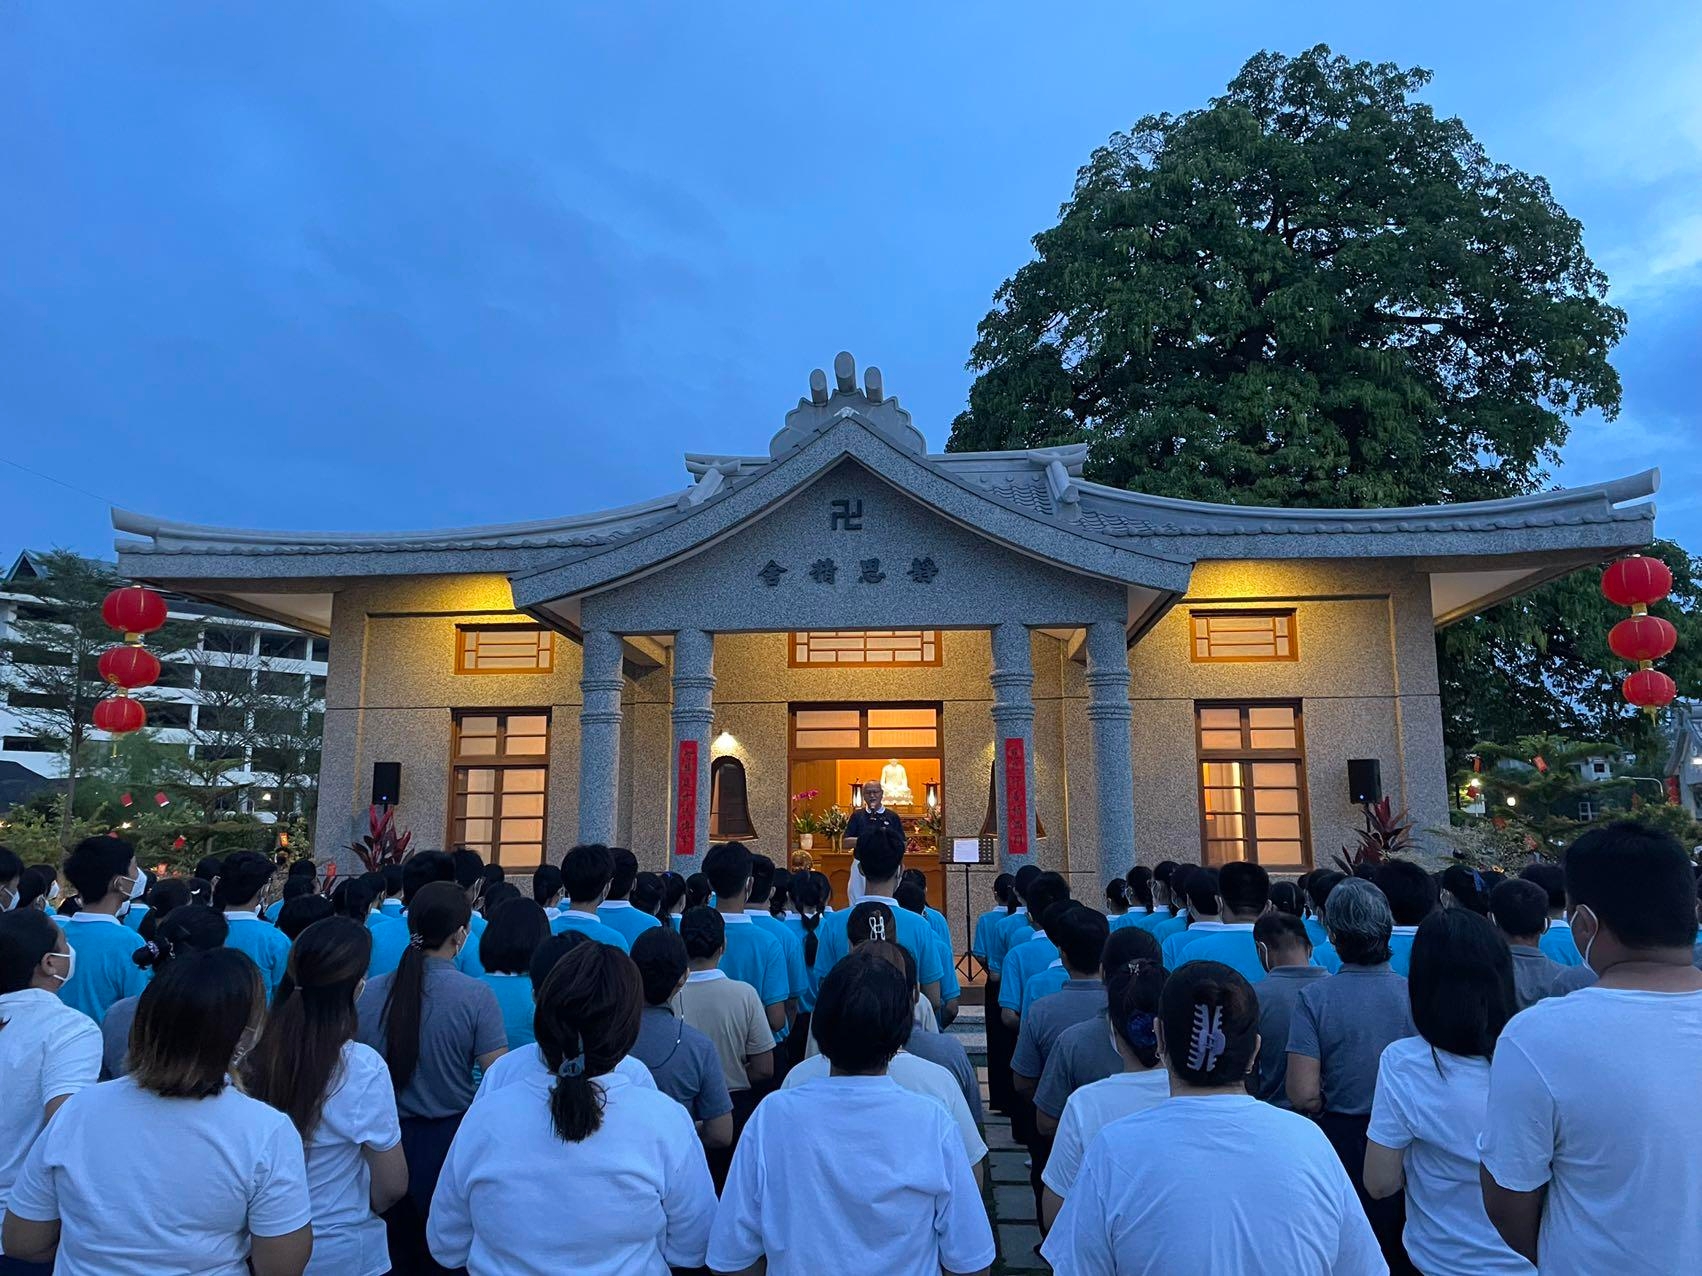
1385	836
384	843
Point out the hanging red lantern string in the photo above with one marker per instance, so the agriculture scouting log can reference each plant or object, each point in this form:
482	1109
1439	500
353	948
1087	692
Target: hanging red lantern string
1640	638
129	667
133	610
1649	689
120	715
1635	582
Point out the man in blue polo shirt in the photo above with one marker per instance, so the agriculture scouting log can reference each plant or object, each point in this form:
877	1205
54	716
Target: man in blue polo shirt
103	871
1243	894
756	908
1412	897
617	911
1034	955
753	956
880	853
585	875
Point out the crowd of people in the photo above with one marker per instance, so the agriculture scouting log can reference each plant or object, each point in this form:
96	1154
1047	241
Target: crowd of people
601	1070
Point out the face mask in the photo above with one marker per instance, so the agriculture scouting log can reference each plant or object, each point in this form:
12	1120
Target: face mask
1595	929
11	901
53	893
69	957
137	885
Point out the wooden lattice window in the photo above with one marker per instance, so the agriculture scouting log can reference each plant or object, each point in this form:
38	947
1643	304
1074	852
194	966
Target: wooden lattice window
504	649
1252	760
497	789
852	647
1243	636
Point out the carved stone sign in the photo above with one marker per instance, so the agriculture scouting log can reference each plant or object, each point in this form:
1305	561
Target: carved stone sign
823	571
770	575
922	570
871	573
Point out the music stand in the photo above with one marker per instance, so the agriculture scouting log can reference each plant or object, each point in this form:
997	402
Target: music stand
967	851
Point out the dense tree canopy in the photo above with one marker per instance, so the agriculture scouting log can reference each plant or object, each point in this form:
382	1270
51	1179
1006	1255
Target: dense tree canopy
1316	292
1311	292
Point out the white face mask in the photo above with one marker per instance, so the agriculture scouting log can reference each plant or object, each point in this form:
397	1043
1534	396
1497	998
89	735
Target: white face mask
53	892
11	896
69	956
138	884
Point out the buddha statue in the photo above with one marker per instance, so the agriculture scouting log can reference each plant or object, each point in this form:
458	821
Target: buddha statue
895	785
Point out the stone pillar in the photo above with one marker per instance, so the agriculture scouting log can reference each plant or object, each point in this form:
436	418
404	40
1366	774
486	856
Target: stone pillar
600	684
1113	767
1013	719
694	715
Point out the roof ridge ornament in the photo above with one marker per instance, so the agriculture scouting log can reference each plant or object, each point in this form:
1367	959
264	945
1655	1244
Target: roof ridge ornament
871	406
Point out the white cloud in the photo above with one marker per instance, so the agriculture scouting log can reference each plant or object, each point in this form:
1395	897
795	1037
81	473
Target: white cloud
1670	259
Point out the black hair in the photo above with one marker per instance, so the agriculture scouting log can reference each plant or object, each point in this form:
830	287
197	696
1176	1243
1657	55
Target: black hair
551	951
298	914
304	868
728	867
1127	944
673	891
660	956
1117	894
1164	874
880	852
1552	878
1211	1024
193	928
189	1020
297	886
1286	897
1139	879
762	879
811	896
1054	915
780	894
870	920
10	865
1004	892
1243	887
1468	886
1637	881
1461	983
1024	875
917	876
1133	993
703	931
1319	884
697	892
1080	935
623	872
93	863
312	1018
439	909
585	871
33	884
169	895
1201	888
586	1021
911	897
494	875
469	867
245	875
494	897
1520	908
26	936
353	897
208	867
1045	890
512	935
394	878
421	869
1409	890
546	883
646	895
862	1014
1281	930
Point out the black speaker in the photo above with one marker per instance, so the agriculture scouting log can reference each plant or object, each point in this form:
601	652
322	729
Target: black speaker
387	784
1364	780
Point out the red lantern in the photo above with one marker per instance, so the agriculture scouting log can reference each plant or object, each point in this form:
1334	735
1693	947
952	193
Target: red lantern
120	715
133	610
179	843
1649	688
129	667
1640	638
1636	581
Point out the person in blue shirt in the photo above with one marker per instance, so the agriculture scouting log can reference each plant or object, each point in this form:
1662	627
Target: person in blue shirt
617	910
1163	897
300	871
759	903
1244	893
1183	900
1028	958
1136	896
546	886
103	871
811	892
142	906
585	875
390	899
912	897
469	870
237	895
516	930
1557	943
880	853
933	916
753	955
1004	892
1008	932
1315	887
354	898
1412	897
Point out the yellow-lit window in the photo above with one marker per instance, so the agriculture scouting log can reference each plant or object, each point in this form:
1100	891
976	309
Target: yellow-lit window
499	776
504	649
843	647
1243	635
1253	785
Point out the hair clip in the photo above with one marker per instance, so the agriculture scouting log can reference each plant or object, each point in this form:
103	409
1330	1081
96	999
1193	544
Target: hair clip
1208	1043
152	947
1140	1029
877	927
414	941
574	1067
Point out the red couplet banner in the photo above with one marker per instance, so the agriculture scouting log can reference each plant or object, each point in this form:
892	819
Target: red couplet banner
685	807
1016	797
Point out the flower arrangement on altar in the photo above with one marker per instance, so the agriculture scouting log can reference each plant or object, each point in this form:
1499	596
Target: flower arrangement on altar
832	822
805	822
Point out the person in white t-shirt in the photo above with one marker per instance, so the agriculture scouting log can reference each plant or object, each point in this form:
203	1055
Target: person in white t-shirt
627	1160
1134	990
1589	1151
236	1199
881	1185
48	1051
337	1093
1432	1092
1211	1180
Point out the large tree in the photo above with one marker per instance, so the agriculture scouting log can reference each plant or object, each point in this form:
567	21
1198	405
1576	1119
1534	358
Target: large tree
1313	291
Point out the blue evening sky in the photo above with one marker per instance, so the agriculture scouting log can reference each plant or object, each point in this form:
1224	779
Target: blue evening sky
346	264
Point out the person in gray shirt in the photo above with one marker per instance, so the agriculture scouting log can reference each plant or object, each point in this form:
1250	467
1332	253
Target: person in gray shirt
188	928
1285	950
1081	935
1080	1056
683	1061
1519	910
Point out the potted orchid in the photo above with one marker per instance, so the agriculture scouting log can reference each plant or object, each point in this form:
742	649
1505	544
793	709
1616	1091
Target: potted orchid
804	821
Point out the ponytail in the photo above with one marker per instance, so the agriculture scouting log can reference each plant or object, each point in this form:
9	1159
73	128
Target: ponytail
810	892
586	1021
1117	893
439	909
191	928
1004	892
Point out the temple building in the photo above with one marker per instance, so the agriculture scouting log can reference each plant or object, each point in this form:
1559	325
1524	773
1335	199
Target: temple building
1077	676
